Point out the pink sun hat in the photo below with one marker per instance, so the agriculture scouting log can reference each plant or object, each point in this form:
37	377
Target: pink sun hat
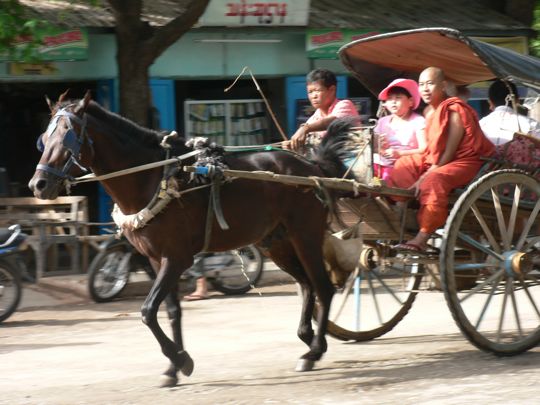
410	85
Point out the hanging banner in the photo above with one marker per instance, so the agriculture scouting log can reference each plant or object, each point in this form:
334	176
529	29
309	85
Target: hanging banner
324	43
243	13
58	45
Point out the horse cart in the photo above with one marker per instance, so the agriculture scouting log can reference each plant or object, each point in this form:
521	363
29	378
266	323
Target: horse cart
486	259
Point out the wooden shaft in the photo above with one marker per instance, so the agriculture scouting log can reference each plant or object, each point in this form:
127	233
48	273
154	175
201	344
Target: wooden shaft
338	184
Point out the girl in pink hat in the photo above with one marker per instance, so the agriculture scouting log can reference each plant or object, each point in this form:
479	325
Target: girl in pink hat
402	132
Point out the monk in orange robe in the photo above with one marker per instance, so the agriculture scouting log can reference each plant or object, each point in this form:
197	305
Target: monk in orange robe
455	144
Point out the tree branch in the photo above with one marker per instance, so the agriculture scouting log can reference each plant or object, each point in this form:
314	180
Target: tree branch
167	35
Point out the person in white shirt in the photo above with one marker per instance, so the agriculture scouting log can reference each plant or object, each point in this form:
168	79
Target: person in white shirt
500	125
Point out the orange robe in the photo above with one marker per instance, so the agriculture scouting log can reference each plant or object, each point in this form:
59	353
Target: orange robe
437	184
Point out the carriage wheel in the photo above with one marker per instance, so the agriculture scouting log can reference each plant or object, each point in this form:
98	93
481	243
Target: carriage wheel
374	299
493	291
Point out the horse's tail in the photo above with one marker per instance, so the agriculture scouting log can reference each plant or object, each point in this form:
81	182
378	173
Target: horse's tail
333	149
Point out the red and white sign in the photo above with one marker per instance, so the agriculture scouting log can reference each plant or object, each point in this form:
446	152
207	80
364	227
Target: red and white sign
242	13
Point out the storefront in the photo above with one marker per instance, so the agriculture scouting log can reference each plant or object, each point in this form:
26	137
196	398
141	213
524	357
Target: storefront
187	80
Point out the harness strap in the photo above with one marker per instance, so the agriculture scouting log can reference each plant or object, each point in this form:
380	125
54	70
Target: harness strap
208	225
141	218
214	210
216	204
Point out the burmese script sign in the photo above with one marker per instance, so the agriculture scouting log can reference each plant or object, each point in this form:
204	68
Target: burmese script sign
324	43
241	13
58	45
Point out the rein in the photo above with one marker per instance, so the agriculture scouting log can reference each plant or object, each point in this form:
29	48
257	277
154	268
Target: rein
92	177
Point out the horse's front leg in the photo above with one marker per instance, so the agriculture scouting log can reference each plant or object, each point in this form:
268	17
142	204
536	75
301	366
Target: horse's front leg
165	284
282	253
174	311
312	260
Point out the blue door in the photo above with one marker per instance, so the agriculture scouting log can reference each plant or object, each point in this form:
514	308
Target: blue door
106	96
163	98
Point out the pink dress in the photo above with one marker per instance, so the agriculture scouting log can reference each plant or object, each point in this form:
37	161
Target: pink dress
404	139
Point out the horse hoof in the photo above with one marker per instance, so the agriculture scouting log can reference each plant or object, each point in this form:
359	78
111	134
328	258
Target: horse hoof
187	363
304	365
167	381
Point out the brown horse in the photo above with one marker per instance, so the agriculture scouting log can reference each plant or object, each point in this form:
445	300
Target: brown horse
286	222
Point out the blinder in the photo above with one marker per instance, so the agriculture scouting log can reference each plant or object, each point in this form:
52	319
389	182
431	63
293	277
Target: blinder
72	142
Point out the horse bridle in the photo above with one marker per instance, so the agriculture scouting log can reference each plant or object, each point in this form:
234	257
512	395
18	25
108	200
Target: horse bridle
72	142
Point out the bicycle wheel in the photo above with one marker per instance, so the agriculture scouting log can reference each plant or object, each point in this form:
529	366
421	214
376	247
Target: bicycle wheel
493	291
108	274
234	272
374	298
10	289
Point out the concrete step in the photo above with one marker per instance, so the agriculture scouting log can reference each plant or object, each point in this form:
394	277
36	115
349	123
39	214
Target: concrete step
74	287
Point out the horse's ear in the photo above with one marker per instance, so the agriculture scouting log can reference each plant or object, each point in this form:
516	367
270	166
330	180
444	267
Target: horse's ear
63	96
49	103
84	101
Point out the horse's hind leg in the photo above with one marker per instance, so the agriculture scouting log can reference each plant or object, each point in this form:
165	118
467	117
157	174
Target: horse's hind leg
174	312
165	283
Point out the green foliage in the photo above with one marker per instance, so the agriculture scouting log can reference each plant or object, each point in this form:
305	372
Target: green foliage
18	37
535	43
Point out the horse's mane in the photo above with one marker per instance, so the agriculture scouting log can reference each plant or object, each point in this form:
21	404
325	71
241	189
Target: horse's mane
127	130
333	149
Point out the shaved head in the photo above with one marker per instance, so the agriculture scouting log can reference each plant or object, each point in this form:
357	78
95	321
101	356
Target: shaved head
434	73
432	85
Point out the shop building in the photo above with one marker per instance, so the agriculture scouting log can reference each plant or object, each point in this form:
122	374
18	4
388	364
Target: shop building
290	38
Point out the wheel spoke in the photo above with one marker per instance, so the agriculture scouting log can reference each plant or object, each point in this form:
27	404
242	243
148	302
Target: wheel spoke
346	292
474	266
528	226
491	239
530	242
503	310
375	301
500	219
479	246
528	293
514	306
392	293
513	213
488	300
481	285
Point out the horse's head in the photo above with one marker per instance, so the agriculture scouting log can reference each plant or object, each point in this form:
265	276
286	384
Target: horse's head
65	146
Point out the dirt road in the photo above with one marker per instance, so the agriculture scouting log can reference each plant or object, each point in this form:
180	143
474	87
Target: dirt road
245	350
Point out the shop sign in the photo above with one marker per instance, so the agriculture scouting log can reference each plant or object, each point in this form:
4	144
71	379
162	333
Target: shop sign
58	45
243	13
324	43
32	69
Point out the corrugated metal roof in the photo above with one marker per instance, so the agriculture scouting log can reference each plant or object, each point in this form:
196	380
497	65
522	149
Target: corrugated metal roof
389	15
393	15
78	13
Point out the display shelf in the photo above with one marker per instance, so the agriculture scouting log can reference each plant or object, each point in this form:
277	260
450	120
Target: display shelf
227	122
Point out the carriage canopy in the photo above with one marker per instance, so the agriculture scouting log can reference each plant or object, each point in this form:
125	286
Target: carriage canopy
376	61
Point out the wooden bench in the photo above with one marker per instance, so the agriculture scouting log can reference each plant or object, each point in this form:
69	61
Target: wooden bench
51	223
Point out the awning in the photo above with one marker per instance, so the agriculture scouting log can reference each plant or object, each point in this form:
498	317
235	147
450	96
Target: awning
377	60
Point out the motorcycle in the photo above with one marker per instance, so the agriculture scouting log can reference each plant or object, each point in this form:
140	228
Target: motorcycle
12	267
232	272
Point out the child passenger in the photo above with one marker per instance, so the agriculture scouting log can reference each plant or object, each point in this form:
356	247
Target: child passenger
402	132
